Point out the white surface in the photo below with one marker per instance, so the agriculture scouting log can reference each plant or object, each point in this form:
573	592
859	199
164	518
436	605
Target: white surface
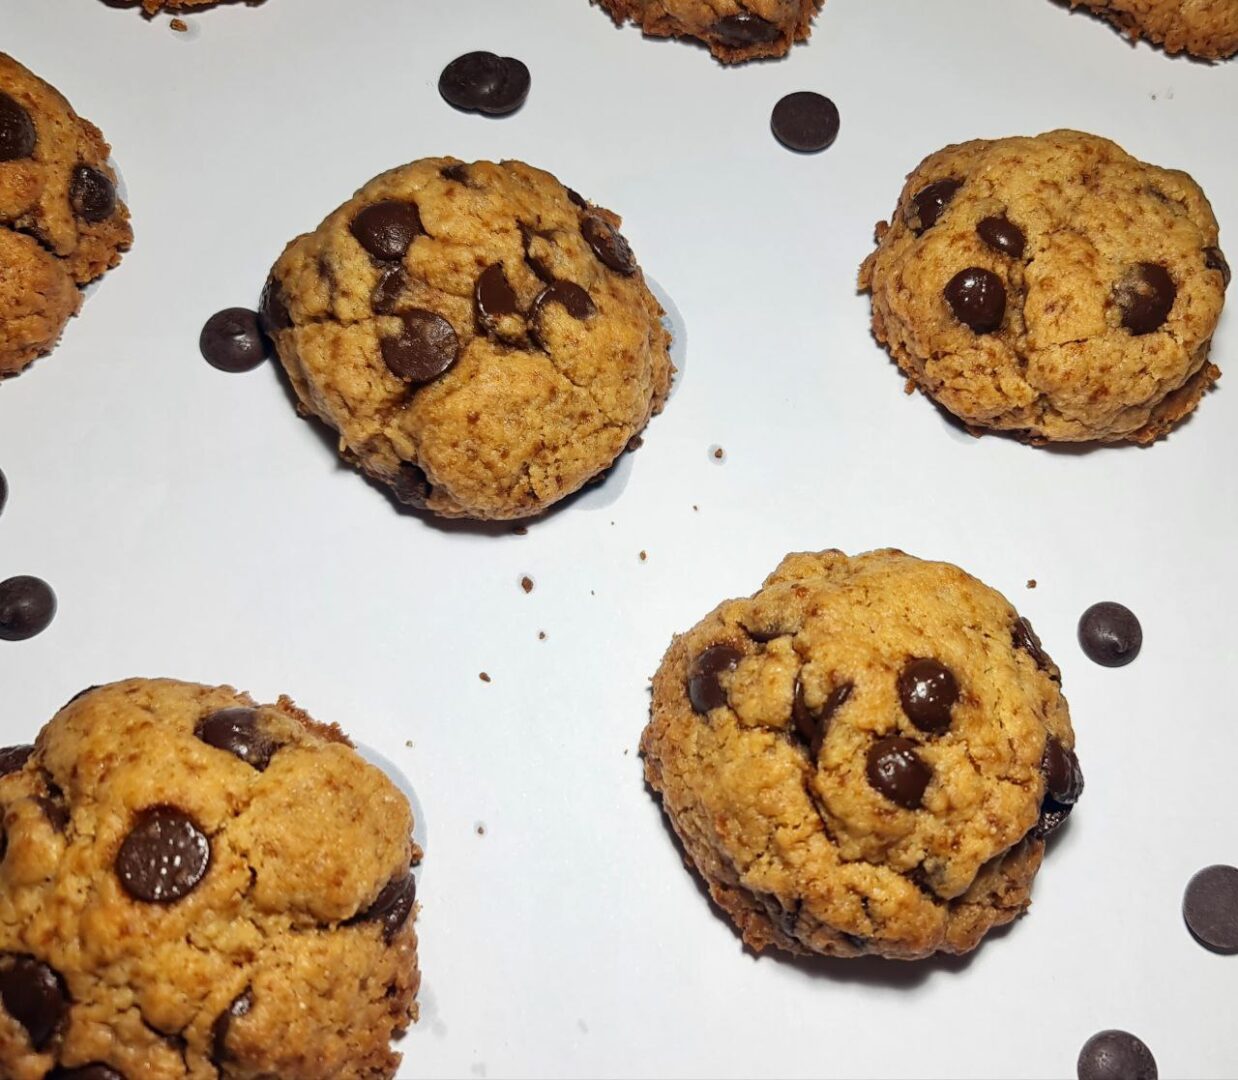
193	527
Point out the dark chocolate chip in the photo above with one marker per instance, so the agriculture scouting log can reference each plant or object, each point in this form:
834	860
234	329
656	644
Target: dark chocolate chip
1115	1055
388	291
1063	777
391	907
17	131
805	121
483	82
80	694
1053	816
897	772
4	491
1022	636
34	995
237	732
54	808
1210	907
813	724
412	486
1214	259
27	607
571	297
92	194
978	299
704	690
927	204
96	1070
608	244
13	758
458	173
928	691
493	297
240	1006
745	29
1002	234
535	263
1145	297
425	348
386	229
1110	634
577	199
232	340
273	309
164	857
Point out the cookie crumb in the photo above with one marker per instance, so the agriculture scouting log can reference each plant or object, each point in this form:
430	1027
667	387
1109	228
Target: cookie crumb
643	556
408	743
541	635
521	530
481	829
695	507
526	583
179	25
1031	583
483	676
635	443
717	453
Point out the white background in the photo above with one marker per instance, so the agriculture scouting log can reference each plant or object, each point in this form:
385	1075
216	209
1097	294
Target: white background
194	527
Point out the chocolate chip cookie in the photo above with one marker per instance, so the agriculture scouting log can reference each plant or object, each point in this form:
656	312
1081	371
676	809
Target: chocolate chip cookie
1052	287
734	30
193	885
480	336
865	757
61	224
1204	28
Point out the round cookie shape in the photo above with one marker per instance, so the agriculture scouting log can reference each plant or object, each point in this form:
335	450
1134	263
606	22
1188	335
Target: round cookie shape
1207	29
193	884
481	337
1051	287
61	223
864	757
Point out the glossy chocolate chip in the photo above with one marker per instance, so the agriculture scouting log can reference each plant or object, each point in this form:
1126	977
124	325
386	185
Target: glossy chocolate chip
704	690
1002	234
1022	636
813	724
240	1006
164	857
412	486
4	491
897	772
17	131
1115	1055
94	1071
483	82
928	690
27	607
1214	259
1210	907
1109	634
493	297
927	204
80	694
391	907
1063	777
92	194
978	299
425	348
387	292
272	308
386	229
232	340
608	244
13	758
745	29
1145	297
1053	816
457	173
805	121
577	199
34	995
238	732
568	295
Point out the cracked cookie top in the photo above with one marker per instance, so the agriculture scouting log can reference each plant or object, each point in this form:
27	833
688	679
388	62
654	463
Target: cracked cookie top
1054	287
864	756
480	336
193	885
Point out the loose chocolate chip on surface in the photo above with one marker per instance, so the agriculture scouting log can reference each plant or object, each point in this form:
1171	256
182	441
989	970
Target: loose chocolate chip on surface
483	82
391	907
94	1071
240	1006
1115	1055
1002	234
570	296
1109	634
1214	259
386	229
34	995
232	340
805	121
1063	777
1022	636
14	758
745	29
1145	297
493	297
896	771
608	244
813	724
704	690
27	607
237	732
424	349
928	690
927	204
17	131
978	299
1210	907
92	194
164	857
412	486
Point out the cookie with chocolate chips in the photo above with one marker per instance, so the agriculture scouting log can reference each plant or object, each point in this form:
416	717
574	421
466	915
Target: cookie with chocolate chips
864	757
195	885
1207	29
61	223
480	336
1052	287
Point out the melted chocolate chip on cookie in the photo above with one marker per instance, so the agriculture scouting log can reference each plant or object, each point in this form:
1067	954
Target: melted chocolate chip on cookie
96	1070
386	229
92	194
17	131
608	244
744	29
1214	259
273	309
1063	777
1002	234
425	348
897	772
813	724
240	1006
13	758
978	299
1145	297
1022	636
412	486
927	691
34	995
164	857
391	907
704	690
927	204
237	732
493	298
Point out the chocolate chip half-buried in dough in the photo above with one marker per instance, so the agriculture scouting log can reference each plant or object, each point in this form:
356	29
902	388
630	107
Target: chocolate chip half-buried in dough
1063	776
386	229
978	299
425	348
4	491
94	1071
571	297
745	29
27	607
1145	297
486	83
608	244
805	121
493	297
240	1006
391	907
1210	907
1115	1055
927	691
237	732
704	690
92	194
1214	259
13	758
812	724
1002	234
17	131
1022	636
273	308
232	340
927	204
164	857
34	995
896	771
1110	634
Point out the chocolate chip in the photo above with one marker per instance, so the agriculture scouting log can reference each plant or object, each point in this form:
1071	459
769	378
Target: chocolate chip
493	297
1210	907
483	82
1063	777
232	340
1002	234
4	491
573	299
805	121
94	1071
240	1006
164	857
272	308
1145	297
54	808
388	291
896	771
13	758
425	348
237	731
386	229
1115	1055
1214	259
744	29
391	907
813	724
27	607
577	199
1109	634
458	173
928	691
608	244
80	694
704	690
92	194
927	204
978	299
412	486
1022	636
34	995
1053	816
17	131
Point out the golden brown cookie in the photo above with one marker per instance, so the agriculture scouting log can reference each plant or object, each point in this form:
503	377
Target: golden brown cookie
192	885
1052	287
864	757
480	336
734	30
61	225
1203	28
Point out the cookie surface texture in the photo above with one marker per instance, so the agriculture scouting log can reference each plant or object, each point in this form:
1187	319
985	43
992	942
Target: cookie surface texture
1204	28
